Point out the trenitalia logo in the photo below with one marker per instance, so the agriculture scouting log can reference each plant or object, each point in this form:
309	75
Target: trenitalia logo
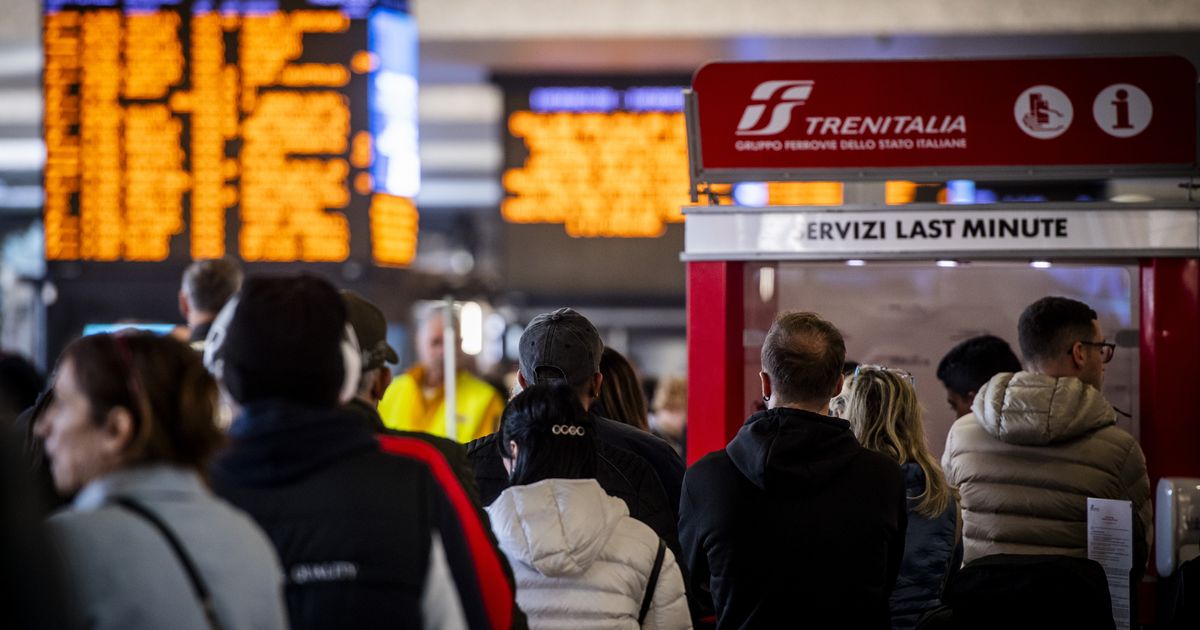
791	94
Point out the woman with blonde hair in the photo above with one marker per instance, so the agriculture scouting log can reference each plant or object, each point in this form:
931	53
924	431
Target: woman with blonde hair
669	421
881	406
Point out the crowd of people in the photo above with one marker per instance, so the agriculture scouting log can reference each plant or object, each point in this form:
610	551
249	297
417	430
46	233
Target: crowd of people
330	502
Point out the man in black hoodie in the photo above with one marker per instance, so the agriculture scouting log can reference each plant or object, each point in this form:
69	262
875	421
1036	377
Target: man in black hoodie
794	523
372	531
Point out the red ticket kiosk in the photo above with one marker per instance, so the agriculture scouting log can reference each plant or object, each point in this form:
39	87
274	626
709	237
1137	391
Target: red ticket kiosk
983	120
904	283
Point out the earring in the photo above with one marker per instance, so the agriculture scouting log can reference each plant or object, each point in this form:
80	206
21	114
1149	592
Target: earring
766	399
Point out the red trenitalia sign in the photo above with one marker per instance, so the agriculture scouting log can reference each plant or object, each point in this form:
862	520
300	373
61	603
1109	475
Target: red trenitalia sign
1087	115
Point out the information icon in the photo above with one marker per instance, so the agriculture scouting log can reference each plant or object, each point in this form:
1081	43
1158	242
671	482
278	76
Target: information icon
1122	110
1043	112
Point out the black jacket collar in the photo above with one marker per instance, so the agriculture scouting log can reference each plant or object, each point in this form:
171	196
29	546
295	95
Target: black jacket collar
275	441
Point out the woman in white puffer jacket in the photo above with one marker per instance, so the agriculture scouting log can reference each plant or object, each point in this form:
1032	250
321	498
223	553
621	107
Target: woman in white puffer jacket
579	559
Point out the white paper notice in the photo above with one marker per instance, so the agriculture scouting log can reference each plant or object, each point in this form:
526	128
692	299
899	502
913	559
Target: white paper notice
1110	542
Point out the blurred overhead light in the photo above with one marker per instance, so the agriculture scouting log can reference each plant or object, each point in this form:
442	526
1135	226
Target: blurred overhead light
22	154
460	103
751	194
21	107
453	156
1132	198
856	262
1040	264
960	191
947	263
459	192
471	322
898	192
20	62
766	283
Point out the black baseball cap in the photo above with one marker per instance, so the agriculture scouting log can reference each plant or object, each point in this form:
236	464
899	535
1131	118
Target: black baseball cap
563	340
370	326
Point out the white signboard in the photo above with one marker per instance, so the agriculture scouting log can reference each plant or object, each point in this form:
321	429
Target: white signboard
796	232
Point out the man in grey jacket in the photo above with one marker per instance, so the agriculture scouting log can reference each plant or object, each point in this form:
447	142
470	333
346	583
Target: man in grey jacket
1038	443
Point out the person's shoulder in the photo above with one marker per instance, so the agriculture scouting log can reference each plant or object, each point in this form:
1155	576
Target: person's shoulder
714	485
465	376
416	449
629	475
83	531
449	449
635	538
1121	449
72	517
224	525
404	384
716	463
630	437
88	545
619	455
68	519
485	461
718	457
965	432
968	422
482	446
881	465
395	459
1115	434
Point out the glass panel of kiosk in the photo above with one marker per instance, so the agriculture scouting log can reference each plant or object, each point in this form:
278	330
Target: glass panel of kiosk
908	314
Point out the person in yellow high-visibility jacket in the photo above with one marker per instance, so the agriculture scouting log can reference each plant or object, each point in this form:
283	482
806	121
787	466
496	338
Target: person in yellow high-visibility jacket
415	401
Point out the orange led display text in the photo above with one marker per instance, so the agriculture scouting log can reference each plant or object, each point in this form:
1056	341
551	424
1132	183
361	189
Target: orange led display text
166	129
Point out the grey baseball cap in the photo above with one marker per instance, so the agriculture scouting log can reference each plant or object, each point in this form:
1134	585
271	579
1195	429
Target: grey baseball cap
563	340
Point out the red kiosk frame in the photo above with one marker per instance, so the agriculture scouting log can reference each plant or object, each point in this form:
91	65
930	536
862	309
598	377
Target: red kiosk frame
731	112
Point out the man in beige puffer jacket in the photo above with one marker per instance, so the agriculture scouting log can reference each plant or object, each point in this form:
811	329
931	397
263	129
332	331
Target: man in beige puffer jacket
1038	443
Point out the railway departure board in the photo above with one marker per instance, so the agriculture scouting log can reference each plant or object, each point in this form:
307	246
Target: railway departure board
603	156
270	130
606	156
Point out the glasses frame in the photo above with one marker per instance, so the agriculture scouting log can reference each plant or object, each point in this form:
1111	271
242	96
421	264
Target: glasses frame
905	374
1108	349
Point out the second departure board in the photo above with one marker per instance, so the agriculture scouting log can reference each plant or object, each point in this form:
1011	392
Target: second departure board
271	130
604	156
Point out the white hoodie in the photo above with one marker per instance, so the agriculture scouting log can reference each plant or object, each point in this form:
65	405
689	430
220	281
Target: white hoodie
580	561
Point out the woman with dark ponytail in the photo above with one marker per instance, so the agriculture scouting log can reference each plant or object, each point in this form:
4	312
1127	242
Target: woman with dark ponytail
145	544
578	557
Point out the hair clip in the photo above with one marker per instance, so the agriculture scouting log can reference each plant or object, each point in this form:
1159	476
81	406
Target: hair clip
565	429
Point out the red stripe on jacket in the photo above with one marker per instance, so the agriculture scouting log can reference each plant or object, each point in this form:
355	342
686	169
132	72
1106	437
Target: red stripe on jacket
497	595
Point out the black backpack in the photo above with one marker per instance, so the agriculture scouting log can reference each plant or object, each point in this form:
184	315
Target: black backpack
1027	592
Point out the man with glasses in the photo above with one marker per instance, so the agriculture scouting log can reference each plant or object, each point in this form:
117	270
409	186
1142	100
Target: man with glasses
1039	442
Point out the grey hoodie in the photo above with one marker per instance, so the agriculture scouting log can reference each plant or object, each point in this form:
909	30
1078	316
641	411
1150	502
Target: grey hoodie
1028	456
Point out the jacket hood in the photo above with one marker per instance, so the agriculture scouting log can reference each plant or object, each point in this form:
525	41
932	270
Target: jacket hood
276	441
557	526
1034	409
789	448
